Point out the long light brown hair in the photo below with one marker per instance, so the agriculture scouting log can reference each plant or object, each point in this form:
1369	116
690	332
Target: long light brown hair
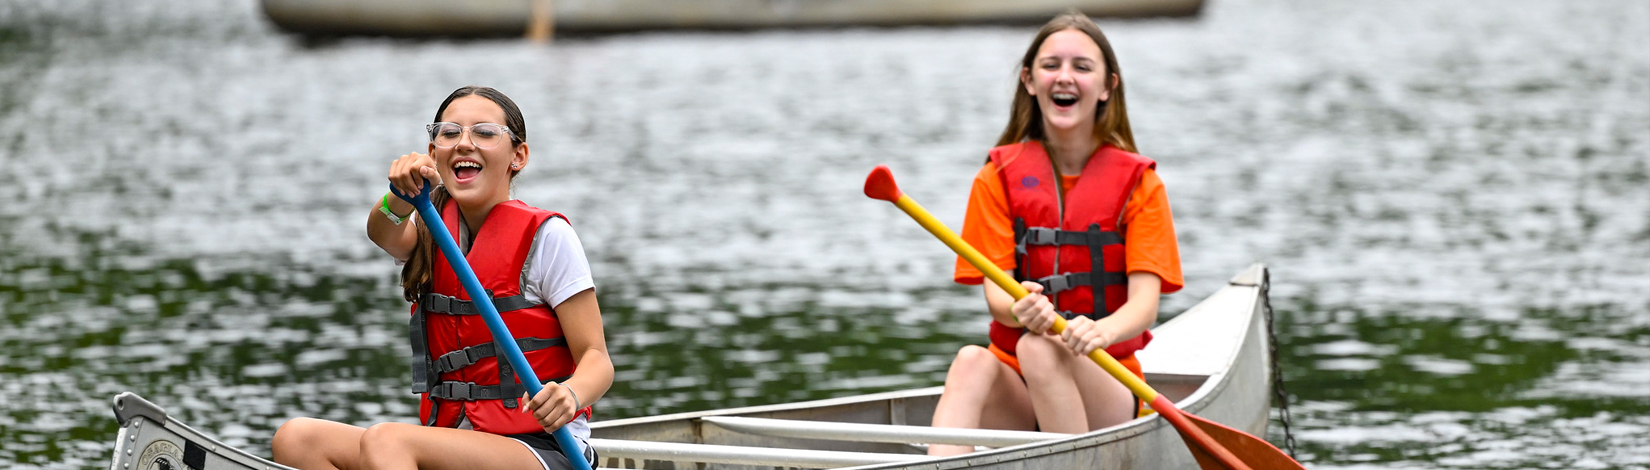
416	274
1025	119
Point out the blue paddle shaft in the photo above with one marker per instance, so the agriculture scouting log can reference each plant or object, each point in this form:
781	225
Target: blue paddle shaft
502	339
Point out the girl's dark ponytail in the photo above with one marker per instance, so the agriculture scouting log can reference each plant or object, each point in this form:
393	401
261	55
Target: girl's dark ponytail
416	274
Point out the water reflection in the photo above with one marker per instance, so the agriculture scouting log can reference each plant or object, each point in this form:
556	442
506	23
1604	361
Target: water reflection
1461	390
1452	196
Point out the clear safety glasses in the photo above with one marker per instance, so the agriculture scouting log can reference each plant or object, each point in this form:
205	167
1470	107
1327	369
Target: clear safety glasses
484	135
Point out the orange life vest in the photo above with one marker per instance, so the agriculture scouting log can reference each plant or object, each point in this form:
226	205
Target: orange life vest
1074	247
454	363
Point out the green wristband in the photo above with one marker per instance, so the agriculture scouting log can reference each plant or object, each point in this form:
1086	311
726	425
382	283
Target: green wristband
384	206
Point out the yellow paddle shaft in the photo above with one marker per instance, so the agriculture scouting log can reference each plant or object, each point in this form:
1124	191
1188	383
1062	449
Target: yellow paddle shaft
1002	279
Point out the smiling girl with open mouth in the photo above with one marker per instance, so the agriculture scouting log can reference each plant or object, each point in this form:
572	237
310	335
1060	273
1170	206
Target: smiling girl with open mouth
1083	222
475	413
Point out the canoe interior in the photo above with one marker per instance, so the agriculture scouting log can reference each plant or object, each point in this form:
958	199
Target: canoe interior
914	408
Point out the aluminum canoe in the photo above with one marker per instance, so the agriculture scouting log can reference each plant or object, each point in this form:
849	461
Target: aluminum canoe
1211	360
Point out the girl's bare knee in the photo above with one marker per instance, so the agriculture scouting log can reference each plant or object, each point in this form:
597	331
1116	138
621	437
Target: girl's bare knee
293	437
384	438
1040	358
972	366
974	357
1036	348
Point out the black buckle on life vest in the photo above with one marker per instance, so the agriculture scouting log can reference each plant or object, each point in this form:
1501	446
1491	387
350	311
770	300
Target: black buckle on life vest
1064	282
1068	315
462	358
454	390
1092	238
1059	283
1041	236
470	391
424	368
437	303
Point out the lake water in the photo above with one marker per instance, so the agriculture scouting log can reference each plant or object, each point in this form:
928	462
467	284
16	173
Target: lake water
1454	197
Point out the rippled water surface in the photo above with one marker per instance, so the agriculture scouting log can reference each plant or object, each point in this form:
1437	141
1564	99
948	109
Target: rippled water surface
1454	197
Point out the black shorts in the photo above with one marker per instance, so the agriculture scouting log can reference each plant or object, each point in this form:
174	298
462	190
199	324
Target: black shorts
549	453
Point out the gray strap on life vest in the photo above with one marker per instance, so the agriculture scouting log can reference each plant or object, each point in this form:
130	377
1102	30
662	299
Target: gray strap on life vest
1020	272
1050	236
1094	239
1063	282
506	372
1068	315
507	376
437	303
423	366
469	391
464	357
1097	264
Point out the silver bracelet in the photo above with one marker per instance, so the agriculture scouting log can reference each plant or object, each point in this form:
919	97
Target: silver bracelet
576	405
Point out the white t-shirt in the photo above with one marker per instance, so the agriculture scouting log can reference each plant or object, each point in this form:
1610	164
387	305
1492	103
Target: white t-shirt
556	266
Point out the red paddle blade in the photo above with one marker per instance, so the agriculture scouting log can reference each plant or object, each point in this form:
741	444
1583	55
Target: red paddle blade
1253	451
880	184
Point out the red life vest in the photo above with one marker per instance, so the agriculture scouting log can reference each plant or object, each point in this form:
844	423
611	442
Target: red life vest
1055	241
451	342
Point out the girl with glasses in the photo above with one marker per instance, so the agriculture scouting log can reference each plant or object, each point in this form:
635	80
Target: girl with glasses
1083	222
474	413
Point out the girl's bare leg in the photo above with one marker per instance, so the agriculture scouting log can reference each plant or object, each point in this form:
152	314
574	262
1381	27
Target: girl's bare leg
1106	400
316	444
1070	393
401	446
980	393
313	444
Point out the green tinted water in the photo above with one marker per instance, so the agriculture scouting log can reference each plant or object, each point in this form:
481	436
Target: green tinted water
1454	197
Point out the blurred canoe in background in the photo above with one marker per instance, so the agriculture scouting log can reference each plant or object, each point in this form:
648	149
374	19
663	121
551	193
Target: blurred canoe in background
516	17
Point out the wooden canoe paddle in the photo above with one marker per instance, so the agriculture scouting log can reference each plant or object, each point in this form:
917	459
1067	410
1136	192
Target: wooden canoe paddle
505	342
1215	446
